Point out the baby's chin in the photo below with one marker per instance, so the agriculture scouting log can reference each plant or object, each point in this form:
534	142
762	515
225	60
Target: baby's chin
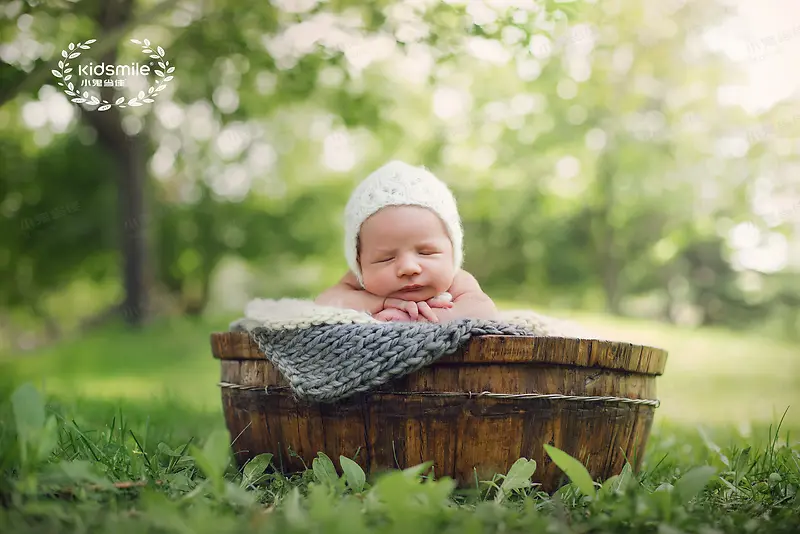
417	295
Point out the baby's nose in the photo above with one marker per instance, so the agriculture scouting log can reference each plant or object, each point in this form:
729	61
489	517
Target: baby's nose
408	265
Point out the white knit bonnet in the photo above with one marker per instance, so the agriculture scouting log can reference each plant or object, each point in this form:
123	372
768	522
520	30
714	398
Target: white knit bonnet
399	184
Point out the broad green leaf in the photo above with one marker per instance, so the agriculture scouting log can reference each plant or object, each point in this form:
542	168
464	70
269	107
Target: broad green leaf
576	472
417	470
238	495
562	492
162	511
626	476
48	439
321	503
217	451
179	481
713	446
256	467
518	477
350	517
28	407
693	481
78	471
353	474
664	528
618	483
324	470
441	489
164	449
740	467
206	466
662	499
293	510
394	486
213	459
51	509
611	485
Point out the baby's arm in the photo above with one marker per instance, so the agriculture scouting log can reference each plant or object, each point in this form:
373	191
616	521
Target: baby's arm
348	293
468	301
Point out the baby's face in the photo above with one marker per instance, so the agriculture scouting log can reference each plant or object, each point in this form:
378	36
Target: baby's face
405	253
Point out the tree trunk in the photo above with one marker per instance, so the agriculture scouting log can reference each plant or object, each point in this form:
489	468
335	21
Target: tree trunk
607	247
128	153
133	242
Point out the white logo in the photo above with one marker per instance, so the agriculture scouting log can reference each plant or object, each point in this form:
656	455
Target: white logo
112	75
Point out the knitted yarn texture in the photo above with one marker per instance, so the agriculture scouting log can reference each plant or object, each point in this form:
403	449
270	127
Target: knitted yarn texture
399	184
332	362
327	357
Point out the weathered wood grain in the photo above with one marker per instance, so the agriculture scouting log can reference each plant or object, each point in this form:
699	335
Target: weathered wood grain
404	423
502	349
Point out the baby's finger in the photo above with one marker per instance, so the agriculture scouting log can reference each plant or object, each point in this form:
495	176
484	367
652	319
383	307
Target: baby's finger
397	304
437	303
427	312
407	306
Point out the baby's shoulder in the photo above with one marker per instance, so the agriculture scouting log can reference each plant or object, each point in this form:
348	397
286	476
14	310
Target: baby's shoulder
463	282
349	280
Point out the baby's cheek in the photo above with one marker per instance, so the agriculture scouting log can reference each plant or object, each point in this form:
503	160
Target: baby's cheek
375	279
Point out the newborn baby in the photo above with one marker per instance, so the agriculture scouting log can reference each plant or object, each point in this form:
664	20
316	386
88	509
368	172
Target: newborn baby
403	244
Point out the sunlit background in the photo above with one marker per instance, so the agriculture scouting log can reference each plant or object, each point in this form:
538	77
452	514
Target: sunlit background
632	165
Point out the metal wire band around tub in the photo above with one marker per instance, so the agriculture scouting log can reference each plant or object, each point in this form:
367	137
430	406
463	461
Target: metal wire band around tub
469	394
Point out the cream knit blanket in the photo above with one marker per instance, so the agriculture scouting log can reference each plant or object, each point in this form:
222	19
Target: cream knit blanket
289	313
328	354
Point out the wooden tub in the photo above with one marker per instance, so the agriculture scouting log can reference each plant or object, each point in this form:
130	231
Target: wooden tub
467	412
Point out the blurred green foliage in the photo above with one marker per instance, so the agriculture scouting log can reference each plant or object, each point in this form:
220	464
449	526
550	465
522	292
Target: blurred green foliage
594	165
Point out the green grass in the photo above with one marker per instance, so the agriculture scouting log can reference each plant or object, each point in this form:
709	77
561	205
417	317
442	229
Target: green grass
171	360
713	376
716	461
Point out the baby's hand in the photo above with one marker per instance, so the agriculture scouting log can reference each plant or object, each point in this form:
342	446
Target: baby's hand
392	315
413	309
445	300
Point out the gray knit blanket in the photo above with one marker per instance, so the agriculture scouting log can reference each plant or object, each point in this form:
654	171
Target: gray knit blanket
328	354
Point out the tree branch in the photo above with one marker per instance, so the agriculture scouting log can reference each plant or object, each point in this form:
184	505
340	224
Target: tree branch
21	81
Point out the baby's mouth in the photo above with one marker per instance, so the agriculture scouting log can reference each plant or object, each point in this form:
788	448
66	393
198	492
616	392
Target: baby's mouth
411	288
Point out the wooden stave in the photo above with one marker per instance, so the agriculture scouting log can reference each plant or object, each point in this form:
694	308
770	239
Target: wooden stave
394	432
480	350
348	426
509	378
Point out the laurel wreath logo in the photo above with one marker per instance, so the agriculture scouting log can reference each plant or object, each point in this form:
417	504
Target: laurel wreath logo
64	72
